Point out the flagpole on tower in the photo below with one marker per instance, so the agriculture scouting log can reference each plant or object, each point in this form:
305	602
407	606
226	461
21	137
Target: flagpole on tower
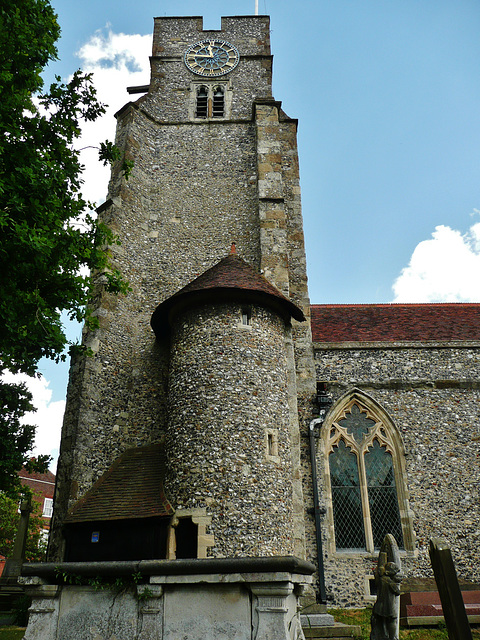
256	7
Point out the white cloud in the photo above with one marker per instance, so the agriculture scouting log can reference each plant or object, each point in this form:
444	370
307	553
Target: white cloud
48	418
116	61
445	268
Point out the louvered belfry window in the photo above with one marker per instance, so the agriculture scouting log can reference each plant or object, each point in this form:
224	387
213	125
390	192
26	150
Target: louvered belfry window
218	109
209	101
362	480
202	103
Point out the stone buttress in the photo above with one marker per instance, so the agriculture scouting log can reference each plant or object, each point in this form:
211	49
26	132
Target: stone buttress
228	438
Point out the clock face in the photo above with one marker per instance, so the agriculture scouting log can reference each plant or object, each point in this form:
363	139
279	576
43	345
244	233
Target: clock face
211	58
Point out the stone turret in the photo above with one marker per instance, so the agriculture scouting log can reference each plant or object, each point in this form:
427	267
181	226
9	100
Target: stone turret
228	434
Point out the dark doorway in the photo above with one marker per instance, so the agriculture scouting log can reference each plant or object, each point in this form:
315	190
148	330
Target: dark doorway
136	539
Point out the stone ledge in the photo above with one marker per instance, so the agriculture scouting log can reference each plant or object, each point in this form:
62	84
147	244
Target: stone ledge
317	620
278	565
406	385
339	346
337	630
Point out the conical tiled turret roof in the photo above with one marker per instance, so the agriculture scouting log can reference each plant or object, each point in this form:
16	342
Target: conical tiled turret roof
231	279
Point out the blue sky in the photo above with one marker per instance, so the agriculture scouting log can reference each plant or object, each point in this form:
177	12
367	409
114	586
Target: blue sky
387	94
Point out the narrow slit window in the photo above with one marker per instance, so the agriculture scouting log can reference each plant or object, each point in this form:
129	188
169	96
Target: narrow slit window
246	317
270	444
202	103
218	110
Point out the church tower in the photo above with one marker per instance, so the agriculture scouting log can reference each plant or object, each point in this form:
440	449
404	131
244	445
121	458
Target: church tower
221	387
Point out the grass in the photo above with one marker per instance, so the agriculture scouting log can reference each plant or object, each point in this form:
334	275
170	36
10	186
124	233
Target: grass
361	617
11	633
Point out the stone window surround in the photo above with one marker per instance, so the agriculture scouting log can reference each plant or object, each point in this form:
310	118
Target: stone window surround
210	84
395	446
202	520
271	445
245	311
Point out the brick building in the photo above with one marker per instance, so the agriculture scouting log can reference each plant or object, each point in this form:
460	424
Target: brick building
43	488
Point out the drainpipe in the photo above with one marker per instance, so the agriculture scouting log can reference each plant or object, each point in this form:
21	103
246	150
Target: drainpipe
318	511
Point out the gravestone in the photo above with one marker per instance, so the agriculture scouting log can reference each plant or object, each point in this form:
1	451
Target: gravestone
388	575
449	589
10	590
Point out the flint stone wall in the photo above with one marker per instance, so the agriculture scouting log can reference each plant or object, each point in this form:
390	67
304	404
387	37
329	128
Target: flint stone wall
228	389
193	190
432	394
171	231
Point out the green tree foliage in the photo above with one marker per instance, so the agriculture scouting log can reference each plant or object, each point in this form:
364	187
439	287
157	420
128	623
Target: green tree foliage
48	235
17	439
9	518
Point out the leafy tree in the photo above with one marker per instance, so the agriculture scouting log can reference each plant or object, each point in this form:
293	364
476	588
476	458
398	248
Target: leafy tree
48	235
9	518
16	438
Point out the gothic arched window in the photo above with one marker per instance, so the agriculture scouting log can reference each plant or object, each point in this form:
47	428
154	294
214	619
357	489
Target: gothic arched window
364	479
218	109
201	110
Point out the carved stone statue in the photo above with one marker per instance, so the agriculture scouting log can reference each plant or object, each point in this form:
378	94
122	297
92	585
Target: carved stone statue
388	576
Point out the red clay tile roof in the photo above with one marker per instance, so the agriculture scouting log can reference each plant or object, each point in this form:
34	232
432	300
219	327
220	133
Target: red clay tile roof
395	322
231	278
131	488
48	476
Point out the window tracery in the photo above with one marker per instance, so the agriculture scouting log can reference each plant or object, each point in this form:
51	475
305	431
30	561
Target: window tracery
364	477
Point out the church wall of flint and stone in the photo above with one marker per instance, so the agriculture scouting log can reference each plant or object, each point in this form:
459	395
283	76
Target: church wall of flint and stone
431	392
196	187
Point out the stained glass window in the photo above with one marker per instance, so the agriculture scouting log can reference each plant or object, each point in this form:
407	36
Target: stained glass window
362	480
357	423
347	501
382	495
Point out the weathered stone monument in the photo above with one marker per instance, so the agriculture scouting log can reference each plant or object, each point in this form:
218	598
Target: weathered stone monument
13	565
225	599
10	590
388	576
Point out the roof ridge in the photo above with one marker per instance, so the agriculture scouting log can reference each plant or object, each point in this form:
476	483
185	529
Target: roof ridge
395	304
